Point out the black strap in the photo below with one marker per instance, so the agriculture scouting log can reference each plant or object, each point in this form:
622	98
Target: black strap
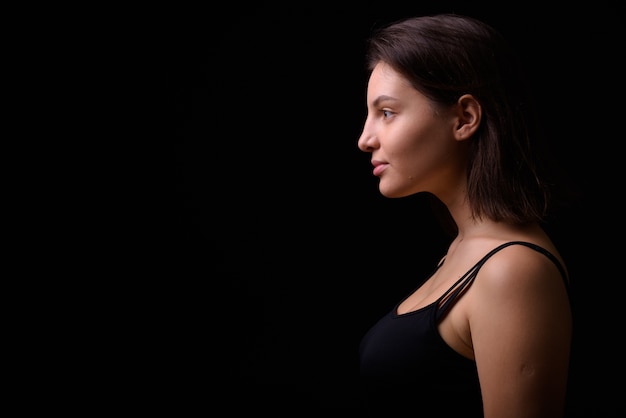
463	283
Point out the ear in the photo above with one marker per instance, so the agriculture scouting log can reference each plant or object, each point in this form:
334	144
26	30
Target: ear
469	114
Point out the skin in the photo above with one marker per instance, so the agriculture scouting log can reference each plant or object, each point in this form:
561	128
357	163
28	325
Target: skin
514	321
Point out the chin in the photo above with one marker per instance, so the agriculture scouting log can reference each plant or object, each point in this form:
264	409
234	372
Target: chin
392	194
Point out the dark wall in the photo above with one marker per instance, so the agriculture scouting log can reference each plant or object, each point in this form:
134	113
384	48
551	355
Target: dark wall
286	251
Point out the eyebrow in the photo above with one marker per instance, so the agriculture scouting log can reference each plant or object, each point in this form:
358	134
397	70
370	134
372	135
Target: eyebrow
383	98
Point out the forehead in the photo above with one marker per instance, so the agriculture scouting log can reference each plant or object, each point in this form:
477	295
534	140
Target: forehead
385	82
384	76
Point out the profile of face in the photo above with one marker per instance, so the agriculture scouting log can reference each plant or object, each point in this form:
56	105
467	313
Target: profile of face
416	146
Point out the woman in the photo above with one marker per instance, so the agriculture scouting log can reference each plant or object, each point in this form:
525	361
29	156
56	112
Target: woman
488	333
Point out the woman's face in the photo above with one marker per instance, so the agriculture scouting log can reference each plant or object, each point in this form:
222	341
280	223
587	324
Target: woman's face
411	140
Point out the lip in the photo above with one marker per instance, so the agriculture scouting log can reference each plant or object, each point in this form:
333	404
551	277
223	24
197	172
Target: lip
379	167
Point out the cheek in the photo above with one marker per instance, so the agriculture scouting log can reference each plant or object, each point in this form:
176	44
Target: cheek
420	148
417	139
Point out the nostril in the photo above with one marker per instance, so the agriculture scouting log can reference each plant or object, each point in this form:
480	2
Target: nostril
365	143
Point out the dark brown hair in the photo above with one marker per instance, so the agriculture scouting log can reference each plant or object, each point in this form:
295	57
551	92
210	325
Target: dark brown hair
448	55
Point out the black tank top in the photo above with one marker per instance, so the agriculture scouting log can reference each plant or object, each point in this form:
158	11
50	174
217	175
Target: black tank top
404	361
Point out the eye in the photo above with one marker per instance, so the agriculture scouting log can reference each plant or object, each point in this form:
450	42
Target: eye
387	114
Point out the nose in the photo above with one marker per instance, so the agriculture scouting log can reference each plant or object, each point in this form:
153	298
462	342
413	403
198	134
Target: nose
367	141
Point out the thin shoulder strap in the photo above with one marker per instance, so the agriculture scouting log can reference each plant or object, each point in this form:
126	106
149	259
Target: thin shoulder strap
452	294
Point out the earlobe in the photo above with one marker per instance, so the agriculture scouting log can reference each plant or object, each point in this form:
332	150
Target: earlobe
469	114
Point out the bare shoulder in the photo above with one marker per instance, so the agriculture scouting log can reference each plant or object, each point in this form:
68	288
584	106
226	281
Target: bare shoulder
521	270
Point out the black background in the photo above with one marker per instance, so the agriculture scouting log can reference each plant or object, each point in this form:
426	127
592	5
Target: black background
284	252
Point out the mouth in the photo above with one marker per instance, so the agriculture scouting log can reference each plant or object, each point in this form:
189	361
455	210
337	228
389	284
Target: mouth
379	167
